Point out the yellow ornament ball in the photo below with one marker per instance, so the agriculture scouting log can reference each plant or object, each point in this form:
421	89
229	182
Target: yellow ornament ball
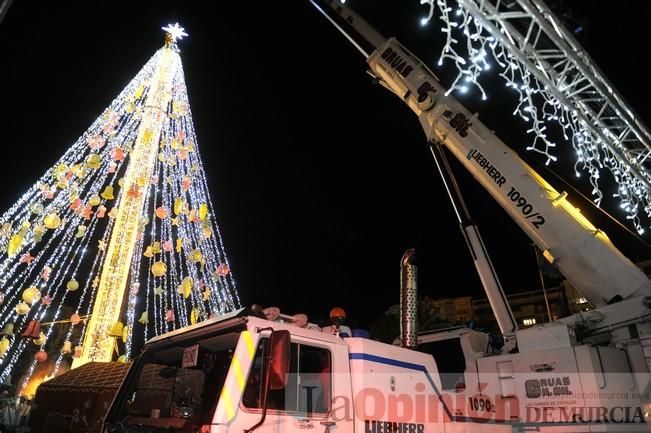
52	221
158	269
72	285
94	200
31	295
22	309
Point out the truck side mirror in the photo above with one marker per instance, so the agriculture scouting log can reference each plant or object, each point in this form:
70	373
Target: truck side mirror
277	368
279	359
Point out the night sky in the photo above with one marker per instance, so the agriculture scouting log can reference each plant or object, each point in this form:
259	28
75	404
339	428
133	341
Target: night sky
320	179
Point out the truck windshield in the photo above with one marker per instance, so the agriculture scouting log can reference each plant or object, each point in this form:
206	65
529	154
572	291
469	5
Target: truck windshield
175	388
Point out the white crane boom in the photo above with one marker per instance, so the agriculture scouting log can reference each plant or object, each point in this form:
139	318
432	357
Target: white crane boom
583	253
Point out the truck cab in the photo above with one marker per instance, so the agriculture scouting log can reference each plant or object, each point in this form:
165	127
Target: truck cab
209	377
215	377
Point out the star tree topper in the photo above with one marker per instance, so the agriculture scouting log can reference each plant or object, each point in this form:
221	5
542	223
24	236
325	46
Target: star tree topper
174	32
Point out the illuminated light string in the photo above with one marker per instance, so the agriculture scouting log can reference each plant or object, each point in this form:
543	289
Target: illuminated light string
156	289
60	229
537	105
188	233
94	273
133	288
82	246
57	316
51	286
215	243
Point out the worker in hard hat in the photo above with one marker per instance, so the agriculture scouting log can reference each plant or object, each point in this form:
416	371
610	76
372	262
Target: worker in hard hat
337	327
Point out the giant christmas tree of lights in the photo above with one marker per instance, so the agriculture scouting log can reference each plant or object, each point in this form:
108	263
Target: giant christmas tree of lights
118	241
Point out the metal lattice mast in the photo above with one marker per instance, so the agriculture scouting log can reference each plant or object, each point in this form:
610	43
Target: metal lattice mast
556	71
98	345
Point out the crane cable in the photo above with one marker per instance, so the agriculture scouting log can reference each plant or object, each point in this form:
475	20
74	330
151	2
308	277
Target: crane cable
603	211
343	32
4	7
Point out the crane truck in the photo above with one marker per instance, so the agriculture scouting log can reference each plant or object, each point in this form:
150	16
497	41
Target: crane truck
258	371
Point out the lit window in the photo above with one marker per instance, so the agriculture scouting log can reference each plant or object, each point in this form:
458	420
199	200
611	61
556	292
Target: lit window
529	322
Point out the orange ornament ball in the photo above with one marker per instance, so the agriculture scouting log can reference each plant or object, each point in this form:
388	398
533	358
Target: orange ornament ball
161	212
41	356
